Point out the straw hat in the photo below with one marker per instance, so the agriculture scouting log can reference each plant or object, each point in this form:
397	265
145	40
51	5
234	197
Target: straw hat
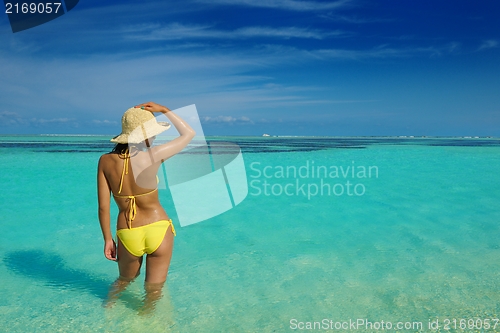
139	125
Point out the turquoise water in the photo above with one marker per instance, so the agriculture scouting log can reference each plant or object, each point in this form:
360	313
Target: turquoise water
416	240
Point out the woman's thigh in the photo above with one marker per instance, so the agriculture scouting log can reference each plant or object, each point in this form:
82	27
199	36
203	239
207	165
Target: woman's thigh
128	264
158	262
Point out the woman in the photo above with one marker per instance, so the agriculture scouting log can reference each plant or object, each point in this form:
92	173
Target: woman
129	174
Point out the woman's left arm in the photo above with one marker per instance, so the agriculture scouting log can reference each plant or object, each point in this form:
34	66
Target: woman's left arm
104	197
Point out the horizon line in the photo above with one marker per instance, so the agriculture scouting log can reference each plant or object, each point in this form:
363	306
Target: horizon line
289	136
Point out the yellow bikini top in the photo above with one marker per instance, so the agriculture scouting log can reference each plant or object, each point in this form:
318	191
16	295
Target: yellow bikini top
132	207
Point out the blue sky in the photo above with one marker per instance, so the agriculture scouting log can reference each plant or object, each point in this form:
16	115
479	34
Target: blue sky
283	67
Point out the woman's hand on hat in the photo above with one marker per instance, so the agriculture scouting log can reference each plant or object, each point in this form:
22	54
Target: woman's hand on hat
153	107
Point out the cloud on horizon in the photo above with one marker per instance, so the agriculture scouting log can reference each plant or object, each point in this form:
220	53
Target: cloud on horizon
227	119
9	118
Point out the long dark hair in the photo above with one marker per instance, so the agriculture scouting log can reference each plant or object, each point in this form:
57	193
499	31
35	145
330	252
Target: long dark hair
119	148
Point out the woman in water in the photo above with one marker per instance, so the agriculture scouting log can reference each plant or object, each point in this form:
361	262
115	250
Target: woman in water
129	174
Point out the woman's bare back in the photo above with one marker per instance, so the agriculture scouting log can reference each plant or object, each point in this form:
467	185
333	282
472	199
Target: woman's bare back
148	206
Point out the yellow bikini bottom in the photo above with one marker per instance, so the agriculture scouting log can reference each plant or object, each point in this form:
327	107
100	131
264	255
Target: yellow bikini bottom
146	238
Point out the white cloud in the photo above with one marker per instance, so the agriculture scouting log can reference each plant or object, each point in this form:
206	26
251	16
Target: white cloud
77	90
295	5
176	31
104	122
288	32
227	119
488	44
9	118
453	47
352	19
53	120
385	52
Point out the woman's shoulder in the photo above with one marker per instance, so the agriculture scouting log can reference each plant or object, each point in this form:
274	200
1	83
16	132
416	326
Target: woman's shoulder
106	157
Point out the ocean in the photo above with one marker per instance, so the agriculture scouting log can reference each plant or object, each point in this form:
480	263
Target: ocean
360	234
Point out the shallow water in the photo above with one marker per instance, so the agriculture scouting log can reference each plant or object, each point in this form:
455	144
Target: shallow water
416	241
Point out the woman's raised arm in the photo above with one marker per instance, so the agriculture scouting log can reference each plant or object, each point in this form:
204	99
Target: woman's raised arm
167	150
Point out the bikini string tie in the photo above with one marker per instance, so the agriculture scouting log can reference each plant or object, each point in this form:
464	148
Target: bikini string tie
132	210
126	158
